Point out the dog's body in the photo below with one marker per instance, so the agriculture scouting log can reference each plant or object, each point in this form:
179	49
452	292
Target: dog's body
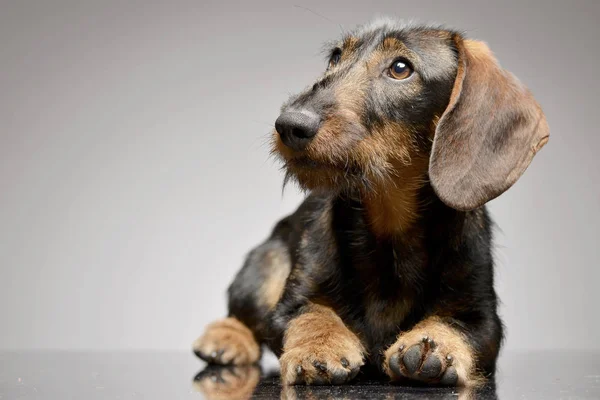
388	261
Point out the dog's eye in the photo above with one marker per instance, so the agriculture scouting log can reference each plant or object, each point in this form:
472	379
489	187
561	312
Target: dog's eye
400	69
335	58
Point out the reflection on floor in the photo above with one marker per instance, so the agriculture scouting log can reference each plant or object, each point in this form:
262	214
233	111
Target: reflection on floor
58	375
238	383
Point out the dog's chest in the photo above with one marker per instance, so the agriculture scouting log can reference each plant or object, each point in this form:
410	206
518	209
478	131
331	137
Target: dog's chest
378	277
386	295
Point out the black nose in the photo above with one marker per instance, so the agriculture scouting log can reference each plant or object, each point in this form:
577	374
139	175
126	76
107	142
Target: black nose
296	129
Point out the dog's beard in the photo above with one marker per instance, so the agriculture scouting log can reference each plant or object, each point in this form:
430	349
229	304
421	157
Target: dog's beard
350	180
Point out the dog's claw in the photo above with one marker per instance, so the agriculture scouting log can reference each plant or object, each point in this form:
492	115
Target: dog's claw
320	365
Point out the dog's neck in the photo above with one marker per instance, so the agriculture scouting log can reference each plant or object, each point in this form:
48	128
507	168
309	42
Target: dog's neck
393	208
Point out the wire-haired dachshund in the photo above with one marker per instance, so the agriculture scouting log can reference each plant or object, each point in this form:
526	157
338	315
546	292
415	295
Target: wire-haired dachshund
387	265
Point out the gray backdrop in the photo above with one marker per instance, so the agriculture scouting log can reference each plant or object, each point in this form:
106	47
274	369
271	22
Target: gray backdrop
134	173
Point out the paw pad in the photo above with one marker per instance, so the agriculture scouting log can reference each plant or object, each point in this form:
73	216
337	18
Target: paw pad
423	361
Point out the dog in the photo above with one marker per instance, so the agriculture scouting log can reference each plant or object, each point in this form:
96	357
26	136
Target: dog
386	267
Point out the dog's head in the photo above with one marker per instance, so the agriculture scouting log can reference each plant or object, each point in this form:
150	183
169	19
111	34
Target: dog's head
411	103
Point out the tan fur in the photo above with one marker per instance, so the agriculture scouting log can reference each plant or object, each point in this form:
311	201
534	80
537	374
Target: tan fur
393	211
349	47
449	341
317	335
393	205
389	48
331	145
393	44
278	264
232	336
479	49
350	92
392	202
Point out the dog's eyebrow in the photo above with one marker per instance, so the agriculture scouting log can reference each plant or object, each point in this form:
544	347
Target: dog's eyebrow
350	43
392	43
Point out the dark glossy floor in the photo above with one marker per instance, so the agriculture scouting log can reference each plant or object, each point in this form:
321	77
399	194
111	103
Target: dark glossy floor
168	375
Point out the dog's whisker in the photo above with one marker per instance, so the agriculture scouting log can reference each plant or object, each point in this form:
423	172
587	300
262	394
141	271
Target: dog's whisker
320	15
269	124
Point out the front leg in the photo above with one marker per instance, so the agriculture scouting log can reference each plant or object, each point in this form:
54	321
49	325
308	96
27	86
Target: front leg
432	352
318	348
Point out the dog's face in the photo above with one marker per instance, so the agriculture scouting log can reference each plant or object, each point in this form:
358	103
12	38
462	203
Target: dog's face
411	103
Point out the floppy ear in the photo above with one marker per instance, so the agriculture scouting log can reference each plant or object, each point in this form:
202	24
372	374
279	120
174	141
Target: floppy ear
488	134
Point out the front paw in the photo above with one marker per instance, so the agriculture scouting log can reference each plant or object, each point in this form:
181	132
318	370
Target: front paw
320	364
423	361
432	353
227	341
319	349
